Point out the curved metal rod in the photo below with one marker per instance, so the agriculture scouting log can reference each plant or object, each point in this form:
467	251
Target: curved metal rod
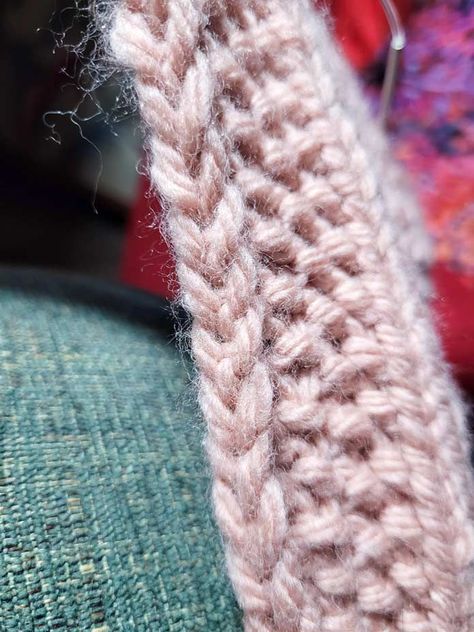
397	44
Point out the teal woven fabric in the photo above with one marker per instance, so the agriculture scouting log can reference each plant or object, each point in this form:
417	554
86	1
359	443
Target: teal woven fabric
105	519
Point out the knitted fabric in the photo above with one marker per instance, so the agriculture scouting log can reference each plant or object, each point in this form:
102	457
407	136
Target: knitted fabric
337	441
105	521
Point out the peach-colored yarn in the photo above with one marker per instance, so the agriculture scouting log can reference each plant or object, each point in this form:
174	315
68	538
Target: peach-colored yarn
337	441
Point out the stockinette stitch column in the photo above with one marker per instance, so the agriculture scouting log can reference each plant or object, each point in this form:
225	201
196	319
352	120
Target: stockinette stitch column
337	441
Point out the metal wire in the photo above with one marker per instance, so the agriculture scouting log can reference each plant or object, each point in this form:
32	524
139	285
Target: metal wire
397	44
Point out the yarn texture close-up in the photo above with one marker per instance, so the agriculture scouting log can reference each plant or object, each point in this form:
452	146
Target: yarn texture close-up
337	440
236	336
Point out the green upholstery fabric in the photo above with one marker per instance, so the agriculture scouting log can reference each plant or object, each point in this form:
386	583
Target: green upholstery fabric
105	518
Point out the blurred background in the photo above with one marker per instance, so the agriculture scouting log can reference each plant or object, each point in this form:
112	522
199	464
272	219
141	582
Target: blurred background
68	156
72	197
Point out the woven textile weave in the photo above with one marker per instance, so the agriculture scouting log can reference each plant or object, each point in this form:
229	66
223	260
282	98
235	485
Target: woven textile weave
336	438
105	523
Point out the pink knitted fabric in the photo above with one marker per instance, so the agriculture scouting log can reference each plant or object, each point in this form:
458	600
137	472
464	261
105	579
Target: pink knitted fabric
337	441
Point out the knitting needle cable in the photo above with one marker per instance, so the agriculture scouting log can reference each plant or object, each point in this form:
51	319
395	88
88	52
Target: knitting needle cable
397	44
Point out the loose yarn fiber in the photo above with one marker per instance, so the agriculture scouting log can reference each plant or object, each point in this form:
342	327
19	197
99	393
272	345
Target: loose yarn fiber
336	438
